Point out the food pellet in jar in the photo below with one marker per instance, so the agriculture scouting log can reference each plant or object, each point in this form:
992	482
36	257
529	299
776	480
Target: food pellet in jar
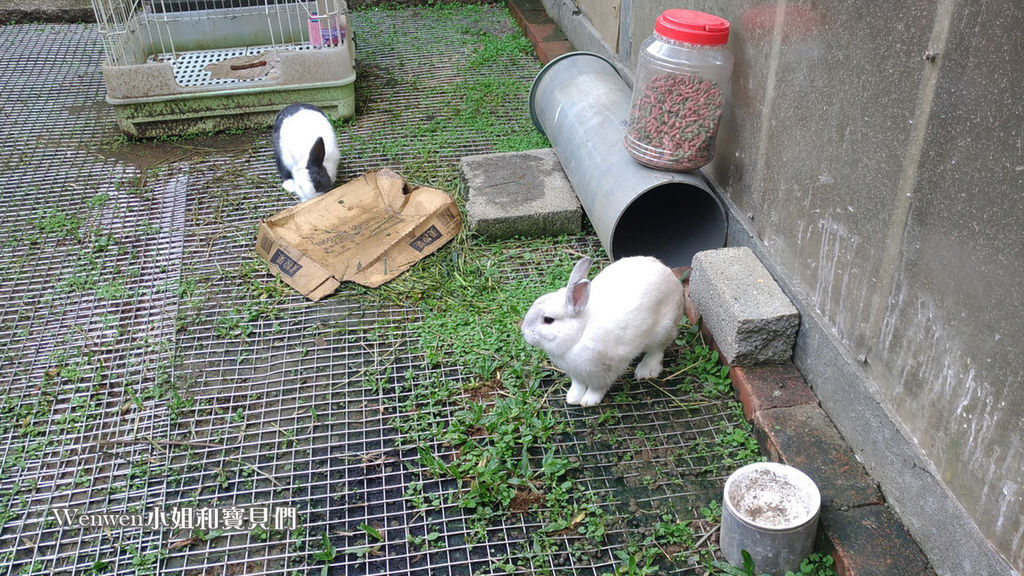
682	83
674	123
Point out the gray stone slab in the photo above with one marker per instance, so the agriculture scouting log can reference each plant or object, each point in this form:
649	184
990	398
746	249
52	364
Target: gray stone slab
519	194
750	318
21	11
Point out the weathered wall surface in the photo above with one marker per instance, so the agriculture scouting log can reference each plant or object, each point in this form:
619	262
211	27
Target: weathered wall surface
949	335
876	152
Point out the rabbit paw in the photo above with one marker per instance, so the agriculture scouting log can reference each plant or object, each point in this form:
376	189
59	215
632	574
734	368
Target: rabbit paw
576	393
592	398
650	367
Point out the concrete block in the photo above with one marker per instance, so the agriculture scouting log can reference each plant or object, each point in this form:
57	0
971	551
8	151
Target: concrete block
752	321
519	194
29	11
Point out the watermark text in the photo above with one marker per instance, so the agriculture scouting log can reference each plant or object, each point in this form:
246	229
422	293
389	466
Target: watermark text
184	518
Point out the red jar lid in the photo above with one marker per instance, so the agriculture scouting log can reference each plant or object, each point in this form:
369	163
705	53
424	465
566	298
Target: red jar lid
692	27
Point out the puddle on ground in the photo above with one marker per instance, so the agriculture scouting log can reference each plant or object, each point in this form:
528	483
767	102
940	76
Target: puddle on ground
145	154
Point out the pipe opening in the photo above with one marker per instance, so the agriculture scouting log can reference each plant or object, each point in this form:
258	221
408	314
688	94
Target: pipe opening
672	222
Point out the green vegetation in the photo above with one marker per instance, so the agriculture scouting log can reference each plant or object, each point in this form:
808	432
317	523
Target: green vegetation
495	433
815	564
489	105
496	442
326	553
56	223
482	424
259	301
145	563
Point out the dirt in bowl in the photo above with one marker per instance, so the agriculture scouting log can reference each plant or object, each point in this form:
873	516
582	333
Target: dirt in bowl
769	499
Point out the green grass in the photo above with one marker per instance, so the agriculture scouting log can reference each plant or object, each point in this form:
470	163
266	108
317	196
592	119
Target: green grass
481	413
56	223
499	49
815	564
487	103
325	554
495	432
497	446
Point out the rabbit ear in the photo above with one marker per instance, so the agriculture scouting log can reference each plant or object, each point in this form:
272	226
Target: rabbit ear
316	154
579	272
578	290
577	295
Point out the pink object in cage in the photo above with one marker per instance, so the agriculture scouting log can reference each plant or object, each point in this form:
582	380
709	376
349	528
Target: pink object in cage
323	31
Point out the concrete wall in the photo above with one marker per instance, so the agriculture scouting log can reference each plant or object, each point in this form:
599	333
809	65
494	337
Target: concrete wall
874	156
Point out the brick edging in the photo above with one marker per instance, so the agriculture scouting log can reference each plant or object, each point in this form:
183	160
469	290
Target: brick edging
548	40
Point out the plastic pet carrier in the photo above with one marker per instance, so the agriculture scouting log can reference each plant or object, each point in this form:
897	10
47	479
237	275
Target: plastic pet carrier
182	66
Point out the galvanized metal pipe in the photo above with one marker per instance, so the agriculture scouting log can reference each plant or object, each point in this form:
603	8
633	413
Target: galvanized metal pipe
582	105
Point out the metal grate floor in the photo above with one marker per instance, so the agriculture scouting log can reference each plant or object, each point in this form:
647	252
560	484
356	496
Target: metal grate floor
150	365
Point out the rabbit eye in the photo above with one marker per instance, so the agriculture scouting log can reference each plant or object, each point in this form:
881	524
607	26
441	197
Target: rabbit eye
548	320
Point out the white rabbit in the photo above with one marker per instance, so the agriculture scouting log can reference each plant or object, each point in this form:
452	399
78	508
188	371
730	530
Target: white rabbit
593	330
305	150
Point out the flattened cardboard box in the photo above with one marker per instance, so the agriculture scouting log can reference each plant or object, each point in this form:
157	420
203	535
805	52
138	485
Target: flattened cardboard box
367	231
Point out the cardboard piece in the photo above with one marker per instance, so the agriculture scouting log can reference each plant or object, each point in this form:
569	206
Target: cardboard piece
367	231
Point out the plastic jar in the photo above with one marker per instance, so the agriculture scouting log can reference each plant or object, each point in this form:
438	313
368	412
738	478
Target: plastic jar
682	82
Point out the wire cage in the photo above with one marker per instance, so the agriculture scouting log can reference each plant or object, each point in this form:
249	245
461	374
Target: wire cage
175	66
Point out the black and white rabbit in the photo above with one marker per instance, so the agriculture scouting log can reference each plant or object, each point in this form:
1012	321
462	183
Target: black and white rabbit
592	330
305	150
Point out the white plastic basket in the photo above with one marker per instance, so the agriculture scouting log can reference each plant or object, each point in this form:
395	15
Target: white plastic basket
170	68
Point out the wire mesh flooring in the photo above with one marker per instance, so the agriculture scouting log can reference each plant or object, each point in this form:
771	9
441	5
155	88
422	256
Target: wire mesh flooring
168	409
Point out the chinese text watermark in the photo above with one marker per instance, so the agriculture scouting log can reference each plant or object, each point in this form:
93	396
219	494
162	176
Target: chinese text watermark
185	518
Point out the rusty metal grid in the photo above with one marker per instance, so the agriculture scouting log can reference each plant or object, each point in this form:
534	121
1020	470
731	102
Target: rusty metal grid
147	363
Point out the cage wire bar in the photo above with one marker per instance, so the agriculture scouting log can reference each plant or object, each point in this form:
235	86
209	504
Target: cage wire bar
179	66
137	31
145	363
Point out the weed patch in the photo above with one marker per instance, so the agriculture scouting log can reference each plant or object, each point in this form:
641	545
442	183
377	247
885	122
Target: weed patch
419	395
487	106
54	222
497	435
